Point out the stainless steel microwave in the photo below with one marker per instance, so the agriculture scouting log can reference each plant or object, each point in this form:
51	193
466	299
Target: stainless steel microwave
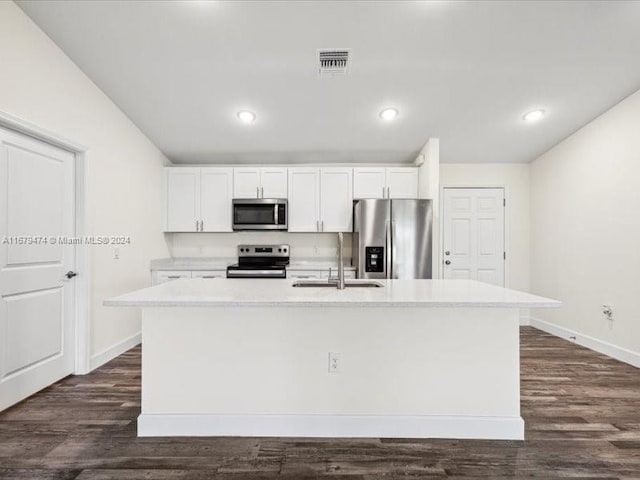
260	214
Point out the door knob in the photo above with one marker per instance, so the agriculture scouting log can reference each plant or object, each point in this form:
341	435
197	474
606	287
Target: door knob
447	252
70	274
447	262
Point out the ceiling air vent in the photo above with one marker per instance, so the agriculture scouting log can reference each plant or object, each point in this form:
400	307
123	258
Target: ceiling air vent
333	62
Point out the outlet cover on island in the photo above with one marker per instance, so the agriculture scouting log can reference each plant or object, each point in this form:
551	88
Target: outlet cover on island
335	362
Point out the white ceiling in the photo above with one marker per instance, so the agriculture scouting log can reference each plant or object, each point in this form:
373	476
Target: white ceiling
463	72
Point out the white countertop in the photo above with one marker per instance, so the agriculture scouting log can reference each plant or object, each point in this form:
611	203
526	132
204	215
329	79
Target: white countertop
221	263
280	293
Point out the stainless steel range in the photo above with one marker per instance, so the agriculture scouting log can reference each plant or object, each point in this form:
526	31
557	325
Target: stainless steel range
260	261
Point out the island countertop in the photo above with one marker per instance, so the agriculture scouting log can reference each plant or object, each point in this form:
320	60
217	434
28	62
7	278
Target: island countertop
281	293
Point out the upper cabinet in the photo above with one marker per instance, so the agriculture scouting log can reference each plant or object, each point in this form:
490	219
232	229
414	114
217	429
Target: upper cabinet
320	199
181	199
304	199
336	199
402	182
216	189
197	199
379	182
369	182
254	182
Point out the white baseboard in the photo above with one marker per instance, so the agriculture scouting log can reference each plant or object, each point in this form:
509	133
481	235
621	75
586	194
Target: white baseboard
112	352
347	426
525	321
600	346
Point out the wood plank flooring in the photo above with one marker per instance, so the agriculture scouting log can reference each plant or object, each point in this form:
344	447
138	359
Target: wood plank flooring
582	412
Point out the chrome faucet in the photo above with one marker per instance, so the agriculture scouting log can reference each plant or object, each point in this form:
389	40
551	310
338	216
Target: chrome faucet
340	261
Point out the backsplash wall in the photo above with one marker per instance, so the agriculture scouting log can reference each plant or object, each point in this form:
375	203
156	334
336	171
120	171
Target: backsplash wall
303	245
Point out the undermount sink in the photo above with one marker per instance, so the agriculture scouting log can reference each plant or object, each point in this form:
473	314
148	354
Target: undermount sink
347	283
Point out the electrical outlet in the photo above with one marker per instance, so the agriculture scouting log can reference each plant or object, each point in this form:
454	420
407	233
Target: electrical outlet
607	311
335	362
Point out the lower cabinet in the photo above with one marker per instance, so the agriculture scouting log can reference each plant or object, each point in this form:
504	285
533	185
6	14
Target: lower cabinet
319	274
163	276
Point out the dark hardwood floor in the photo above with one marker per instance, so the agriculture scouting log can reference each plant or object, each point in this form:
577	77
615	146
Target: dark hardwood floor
582	412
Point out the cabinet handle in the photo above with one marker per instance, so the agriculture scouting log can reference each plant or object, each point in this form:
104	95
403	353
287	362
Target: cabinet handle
202	225
257	192
197	225
261	192
322	225
173	277
388	192
317	225
383	192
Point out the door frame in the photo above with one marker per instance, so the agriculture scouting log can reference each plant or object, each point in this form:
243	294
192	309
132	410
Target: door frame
82	317
506	223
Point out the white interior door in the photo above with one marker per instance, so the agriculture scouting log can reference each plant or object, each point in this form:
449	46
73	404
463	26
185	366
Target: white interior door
473	234
37	196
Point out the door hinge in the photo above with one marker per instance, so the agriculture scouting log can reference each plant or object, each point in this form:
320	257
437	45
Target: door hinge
504	202
504	255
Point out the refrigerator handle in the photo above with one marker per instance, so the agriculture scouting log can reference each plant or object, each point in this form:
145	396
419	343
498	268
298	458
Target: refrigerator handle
387	248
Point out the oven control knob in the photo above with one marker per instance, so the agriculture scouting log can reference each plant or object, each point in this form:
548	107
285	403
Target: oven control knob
280	250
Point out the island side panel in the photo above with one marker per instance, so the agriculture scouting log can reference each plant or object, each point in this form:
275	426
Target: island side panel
404	372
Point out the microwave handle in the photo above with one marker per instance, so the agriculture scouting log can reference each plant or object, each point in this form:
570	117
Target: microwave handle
275	216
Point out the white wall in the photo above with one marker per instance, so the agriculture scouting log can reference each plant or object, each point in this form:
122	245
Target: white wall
41	85
585	228
515	177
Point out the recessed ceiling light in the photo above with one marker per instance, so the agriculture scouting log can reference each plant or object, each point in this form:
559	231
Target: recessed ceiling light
388	114
246	116
533	116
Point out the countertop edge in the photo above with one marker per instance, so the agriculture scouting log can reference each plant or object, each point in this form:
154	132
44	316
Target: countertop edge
288	304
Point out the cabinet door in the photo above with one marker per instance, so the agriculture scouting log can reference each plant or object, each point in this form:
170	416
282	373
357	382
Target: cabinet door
402	182
368	183
336	199
304	199
163	276
216	185
181	199
246	182
209	274
273	182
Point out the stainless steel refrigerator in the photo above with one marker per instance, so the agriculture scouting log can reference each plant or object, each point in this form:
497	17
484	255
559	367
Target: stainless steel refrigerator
392	238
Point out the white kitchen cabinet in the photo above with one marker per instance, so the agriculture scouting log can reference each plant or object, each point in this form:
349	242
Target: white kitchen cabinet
273	182
320	274
369	182
216	186
197	199
181	199
402	182
320	199
163	276
304	199
378	182
209	274
266	182
336	199
246	182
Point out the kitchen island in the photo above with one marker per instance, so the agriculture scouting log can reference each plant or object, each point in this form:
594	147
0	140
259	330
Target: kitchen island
413	358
